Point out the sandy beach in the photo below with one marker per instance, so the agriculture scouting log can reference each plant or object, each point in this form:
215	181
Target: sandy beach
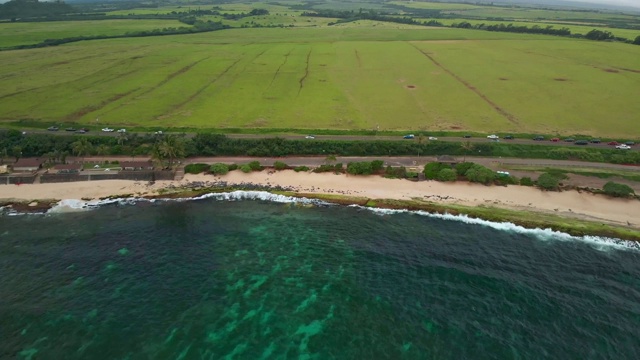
571	204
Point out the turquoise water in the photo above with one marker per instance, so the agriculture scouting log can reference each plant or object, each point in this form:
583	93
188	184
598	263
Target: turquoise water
257	280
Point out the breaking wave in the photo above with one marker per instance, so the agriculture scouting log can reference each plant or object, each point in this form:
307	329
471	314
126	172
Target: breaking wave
598	242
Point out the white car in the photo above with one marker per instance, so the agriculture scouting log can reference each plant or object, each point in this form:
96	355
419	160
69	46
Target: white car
433	138
158	132
309	137
122	130
623	147
107	129
493	137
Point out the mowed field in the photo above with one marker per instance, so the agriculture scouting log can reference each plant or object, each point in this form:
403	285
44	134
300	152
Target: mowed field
331	77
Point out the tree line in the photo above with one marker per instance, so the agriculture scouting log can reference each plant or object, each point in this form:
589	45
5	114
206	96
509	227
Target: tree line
14	144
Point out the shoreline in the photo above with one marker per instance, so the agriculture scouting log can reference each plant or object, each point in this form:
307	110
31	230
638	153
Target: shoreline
573	212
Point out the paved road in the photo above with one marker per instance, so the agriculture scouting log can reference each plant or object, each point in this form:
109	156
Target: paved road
361	138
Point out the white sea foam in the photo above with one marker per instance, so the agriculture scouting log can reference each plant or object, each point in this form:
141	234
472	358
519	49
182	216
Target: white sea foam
81	205
600	243
597	242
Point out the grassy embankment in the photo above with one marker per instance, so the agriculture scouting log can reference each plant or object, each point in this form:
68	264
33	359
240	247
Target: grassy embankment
331	78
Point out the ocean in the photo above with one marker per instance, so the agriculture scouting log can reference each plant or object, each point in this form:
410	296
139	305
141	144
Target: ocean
254	279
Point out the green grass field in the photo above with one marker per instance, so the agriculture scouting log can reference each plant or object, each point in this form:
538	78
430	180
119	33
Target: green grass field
12	34
350	76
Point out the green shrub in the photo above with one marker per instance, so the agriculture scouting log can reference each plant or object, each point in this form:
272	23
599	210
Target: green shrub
547	181
431	170
360	168
396	172
279	165
219	169
618	190
480	174
196	168
233	167
507	180
246	168
255	166
328	168
410	175
376	165
462	168
300	168
526	181
447	175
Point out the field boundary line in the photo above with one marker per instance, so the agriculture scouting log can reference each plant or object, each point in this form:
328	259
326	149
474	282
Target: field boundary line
91	108
306	73
286	58
510	117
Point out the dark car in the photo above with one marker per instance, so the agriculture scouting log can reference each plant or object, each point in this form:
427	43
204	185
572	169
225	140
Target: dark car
52	128
70	129
538	138
467	136
81	131
569	139
595	141
582	142
630	143
509	137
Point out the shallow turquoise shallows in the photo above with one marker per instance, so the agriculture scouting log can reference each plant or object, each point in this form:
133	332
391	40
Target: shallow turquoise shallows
251	279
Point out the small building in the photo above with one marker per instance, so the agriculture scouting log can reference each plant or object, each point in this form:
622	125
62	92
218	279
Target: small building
4	169
67	168
136	165
27	165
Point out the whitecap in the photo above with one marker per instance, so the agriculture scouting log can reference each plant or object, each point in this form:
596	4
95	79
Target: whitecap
597	242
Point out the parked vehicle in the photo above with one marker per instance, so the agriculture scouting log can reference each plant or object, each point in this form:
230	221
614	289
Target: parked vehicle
107	129
310	137
433	138
538	138
493	137
52	128
410	136
467	136
613	143
582	142
629	143
70	129
595	141
623	147
509	137
122	130
81	131
554	139
158	132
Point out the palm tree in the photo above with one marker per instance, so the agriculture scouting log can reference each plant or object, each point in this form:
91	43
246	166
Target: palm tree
466	146
102	150
169	147
82	148
122	137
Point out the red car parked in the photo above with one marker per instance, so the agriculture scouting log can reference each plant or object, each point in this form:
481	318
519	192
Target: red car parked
613	143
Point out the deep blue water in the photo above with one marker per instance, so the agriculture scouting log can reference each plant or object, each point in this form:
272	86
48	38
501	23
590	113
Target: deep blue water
258	280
